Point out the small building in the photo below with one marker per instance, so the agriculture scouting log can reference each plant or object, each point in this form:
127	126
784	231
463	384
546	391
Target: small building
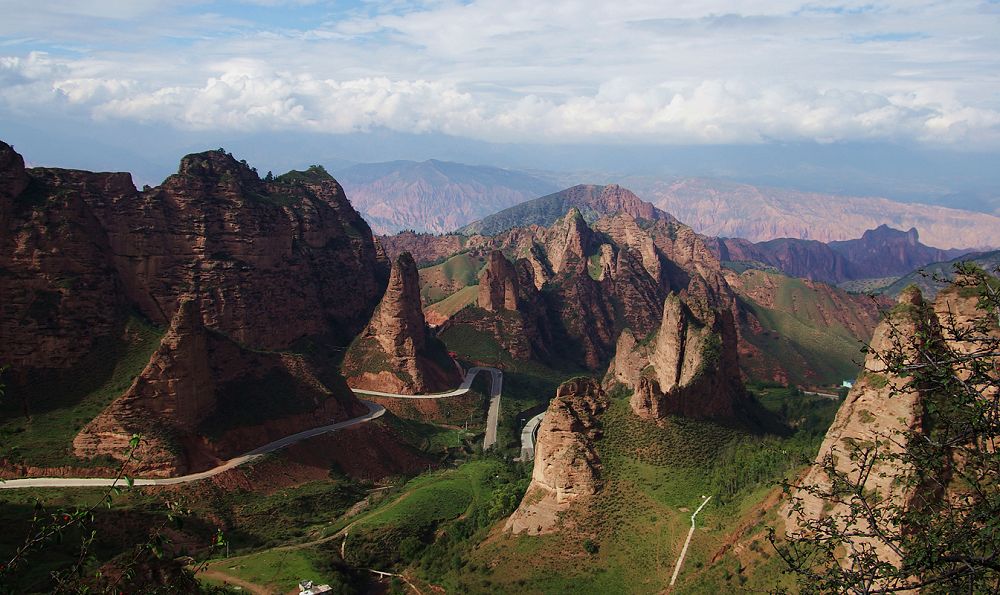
847	384
307	587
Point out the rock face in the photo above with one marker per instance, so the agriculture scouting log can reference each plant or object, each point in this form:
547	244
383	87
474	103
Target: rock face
566	466
511	309
396	352
260	266
878	407
691	368
498	284
424	247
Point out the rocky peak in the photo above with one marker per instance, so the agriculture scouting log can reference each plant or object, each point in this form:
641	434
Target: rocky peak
398	323
13	177
877	408
396	352
690	368
568	241
566	466
499	284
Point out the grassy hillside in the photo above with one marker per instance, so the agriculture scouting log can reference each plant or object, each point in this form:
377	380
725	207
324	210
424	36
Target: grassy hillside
628	539
454	274
39	420
815	333
447	307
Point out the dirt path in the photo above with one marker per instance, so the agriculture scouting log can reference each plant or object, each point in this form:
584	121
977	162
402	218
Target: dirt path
232	580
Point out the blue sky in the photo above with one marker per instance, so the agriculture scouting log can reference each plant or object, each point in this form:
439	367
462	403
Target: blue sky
921	75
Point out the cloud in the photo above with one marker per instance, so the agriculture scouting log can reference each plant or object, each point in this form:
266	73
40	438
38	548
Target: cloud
702	72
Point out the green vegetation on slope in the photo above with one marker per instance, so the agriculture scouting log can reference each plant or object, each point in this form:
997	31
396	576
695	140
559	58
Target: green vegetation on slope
811	351
455	302
39	420
442	280
626	540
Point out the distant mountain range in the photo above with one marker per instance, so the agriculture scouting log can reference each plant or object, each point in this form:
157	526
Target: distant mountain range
729	209
434	196
878	253
439	197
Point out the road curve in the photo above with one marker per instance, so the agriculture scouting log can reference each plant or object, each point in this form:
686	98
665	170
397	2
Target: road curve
687	542
374	411
528	437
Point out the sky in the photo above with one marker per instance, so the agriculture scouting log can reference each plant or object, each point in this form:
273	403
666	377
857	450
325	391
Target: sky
487	79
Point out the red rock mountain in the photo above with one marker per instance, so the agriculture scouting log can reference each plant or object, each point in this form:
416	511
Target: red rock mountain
880	252
396	352
79	251
567	468
593	202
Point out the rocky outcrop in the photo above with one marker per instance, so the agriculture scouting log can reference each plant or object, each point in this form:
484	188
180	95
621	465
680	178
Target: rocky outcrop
567	467
690	368
396	352
260	266
877	409
197	376
498	284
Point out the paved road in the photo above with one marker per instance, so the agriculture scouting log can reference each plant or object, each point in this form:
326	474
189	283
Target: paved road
493	415
528	437
374	411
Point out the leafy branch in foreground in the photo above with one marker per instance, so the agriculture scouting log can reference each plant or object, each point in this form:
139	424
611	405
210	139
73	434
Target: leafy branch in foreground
912	502
48	529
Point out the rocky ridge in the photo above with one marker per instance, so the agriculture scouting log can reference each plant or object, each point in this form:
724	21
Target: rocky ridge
82	251
396	351
879	408
878	253
567	467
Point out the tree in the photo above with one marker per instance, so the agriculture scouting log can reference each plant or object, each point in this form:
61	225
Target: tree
943	535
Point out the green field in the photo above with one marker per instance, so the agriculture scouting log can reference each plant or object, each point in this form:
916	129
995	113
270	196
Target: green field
455	302
62	402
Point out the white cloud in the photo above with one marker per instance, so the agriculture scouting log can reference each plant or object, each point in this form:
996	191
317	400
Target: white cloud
698	72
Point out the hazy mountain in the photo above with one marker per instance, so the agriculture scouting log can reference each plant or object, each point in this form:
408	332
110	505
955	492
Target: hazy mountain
435	196
757	213
933	277
880	252
592	202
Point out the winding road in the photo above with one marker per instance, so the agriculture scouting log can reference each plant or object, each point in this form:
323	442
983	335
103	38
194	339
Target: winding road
374	410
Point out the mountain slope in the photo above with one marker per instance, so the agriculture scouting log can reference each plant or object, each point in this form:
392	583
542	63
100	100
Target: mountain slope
934	277
433	196
592	201
729	209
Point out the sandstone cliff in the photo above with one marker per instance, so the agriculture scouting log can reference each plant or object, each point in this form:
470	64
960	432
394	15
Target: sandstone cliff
690	368
878	408
396	352
566	466
511	309
262	263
